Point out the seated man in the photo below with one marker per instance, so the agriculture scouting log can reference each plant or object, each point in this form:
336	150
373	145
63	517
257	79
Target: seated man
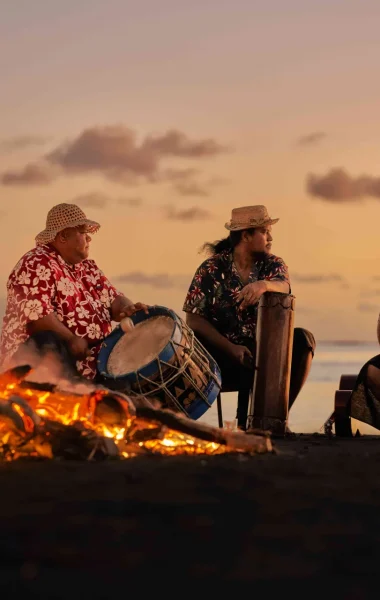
58	299
222	303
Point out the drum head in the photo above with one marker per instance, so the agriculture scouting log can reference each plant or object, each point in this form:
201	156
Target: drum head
123	355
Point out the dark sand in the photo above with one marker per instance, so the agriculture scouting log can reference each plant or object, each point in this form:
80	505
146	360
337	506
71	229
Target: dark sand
304	521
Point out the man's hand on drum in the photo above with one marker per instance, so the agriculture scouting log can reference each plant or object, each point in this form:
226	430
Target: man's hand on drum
128	311
242	355
251	294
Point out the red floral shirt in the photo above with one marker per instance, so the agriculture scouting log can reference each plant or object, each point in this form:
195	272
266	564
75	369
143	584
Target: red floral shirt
42	283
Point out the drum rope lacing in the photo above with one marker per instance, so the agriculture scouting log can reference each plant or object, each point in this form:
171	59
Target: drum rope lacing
181	370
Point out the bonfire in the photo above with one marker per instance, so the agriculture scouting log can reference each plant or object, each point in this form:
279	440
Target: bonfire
90	422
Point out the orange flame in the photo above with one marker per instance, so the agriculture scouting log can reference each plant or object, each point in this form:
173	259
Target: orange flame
130	434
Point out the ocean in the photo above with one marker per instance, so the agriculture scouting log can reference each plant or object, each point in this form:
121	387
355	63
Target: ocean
315	402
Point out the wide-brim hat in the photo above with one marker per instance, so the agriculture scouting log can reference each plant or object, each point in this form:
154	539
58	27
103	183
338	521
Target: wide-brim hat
64	216
247	217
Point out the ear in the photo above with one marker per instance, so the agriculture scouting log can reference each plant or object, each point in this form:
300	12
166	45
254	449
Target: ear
62	236
246	235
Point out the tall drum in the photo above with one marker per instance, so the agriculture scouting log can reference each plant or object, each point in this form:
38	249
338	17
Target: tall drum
269	405
161	359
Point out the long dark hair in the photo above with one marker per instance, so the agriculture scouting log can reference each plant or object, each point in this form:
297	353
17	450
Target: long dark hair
227	243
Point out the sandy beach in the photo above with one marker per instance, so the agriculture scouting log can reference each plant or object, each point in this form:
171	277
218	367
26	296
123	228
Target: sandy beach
303	519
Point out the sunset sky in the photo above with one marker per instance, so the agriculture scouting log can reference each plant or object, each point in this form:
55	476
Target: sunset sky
160	116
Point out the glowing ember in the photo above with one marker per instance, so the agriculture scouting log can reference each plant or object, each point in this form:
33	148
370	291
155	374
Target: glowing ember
99	424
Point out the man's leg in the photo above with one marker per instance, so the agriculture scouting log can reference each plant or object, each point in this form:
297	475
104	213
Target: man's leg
234	377
303	352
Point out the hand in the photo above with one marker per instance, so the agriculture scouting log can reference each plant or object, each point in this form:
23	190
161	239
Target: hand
130	310
251	294
242	355
79	347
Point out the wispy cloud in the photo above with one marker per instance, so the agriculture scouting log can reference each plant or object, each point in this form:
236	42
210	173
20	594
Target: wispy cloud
22	141
114	153
156	280
132	201
338	186
31	174
367	307
317	278
195	213
92	199
311	139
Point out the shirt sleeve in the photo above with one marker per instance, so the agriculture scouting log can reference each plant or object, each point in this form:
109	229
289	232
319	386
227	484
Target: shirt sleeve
32	289
199	298
277	270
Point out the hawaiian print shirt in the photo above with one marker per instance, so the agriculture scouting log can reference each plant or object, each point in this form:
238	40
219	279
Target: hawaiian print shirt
214	290
42	283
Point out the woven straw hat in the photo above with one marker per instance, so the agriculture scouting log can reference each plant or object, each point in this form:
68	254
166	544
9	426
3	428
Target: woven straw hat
63	216
246	217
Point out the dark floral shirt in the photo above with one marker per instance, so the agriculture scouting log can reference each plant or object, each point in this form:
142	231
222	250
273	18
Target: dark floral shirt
214	290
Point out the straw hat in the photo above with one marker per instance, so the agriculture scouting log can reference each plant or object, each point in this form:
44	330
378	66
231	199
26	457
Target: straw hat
246	217
63	216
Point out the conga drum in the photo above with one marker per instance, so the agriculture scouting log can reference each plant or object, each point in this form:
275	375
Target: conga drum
161	359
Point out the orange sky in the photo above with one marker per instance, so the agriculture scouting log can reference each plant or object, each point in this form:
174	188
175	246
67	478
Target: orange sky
259	95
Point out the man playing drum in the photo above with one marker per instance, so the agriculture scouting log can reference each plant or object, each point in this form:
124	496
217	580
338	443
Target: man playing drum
58	299
222	303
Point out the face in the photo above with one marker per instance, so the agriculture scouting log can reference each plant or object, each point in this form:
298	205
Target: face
260	241
74	244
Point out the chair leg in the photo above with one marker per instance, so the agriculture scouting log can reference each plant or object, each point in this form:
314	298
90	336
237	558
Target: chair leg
219	407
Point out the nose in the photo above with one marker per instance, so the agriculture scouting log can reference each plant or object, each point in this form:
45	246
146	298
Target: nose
270	238
88	238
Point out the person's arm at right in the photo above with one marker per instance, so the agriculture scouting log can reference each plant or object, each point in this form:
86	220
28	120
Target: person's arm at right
205	329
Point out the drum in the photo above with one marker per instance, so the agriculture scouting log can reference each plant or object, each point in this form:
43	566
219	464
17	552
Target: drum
161	359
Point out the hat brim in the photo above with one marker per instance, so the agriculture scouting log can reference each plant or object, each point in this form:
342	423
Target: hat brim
239	226
46	236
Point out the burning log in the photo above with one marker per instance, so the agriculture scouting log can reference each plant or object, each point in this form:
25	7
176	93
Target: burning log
38	419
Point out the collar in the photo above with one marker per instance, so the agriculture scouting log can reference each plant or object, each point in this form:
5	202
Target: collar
50	249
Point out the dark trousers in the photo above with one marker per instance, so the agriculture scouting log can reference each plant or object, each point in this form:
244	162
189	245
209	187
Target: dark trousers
240	378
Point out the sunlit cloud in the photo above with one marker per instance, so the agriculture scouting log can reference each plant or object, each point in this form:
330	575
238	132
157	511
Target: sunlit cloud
337	186
115	153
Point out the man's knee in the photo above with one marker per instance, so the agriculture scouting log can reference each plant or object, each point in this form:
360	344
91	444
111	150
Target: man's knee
303	341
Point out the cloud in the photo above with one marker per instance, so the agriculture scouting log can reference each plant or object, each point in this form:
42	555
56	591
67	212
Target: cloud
195	213
132	201
21	142
185	183
115	153
191	188
92	199
337	185
367	307
318	278
311	139
31	174
158	280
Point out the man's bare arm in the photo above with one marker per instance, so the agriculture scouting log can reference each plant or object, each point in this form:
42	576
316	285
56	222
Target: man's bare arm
204	329
50	323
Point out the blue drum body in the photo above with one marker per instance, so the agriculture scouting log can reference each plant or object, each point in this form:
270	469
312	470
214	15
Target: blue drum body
182	376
